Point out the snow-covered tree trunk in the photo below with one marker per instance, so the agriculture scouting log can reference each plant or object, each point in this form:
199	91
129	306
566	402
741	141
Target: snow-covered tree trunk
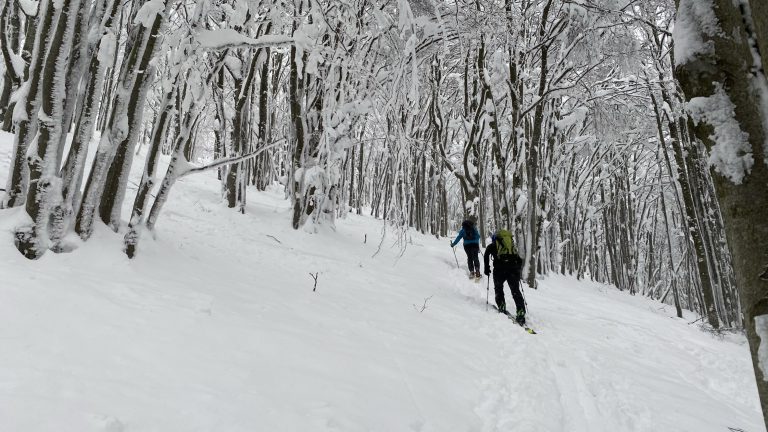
475	118
26	108
693	219
532	163
717	49
120	135
10	26
264	172
74	166
245	85
297	60
159	134
176	169
44	184
116	181
220	127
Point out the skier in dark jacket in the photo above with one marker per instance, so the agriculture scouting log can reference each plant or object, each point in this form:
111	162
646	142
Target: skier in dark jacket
507	266
471	238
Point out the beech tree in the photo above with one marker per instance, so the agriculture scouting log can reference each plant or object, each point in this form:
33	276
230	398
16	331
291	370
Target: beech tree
721	68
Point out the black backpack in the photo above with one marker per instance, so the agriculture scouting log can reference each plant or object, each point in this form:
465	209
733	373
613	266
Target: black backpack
469	229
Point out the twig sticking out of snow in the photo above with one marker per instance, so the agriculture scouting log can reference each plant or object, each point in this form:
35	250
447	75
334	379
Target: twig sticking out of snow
275	239
424	306
314	276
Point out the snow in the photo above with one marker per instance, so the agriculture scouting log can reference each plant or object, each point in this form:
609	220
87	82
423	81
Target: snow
214	327
20	97
405	17
18	63
236	15
761	328
731	154
106	53
147	13
29	7
574	118
693	17
576	10
229	38
759	79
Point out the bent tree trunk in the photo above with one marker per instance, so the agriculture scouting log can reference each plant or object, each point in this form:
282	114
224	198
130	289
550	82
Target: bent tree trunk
159	134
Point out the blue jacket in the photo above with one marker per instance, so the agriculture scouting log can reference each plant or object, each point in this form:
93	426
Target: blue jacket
475	238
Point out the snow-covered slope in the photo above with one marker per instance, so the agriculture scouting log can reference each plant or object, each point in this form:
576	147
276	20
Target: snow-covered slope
215	327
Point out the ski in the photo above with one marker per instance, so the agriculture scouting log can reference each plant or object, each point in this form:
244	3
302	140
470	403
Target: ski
525	327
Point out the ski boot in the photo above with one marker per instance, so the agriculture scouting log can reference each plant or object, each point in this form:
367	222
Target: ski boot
520	317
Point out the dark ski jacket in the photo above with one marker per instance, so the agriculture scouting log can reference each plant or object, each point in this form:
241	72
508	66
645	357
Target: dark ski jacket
462	235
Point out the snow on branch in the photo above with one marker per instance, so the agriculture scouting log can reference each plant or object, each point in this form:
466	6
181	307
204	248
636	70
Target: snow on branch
148	12
191	169
229	38
29	7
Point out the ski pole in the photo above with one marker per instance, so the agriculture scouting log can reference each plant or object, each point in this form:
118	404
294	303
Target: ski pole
455	257
522	292
487	291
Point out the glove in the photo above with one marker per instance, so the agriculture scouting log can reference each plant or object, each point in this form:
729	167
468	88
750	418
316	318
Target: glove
451	243
487	271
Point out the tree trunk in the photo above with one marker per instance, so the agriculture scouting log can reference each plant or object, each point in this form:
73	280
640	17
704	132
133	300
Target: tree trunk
726	75
125	116
36	43
159	134
44	183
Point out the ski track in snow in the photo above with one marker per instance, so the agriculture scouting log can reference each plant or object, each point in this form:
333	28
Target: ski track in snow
214	327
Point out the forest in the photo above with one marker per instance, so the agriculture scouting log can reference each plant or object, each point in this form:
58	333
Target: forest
620	141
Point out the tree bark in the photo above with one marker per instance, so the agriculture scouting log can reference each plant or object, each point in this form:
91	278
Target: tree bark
728	67
44	184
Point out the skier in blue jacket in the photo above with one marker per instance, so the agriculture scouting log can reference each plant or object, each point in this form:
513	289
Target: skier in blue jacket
471	238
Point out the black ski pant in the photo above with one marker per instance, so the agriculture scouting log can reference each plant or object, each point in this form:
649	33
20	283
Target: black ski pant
511	275
473	257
